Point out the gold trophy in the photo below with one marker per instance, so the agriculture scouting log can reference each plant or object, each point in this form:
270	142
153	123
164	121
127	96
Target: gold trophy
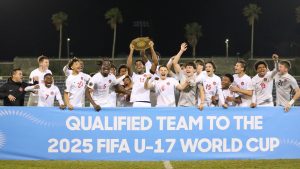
141	43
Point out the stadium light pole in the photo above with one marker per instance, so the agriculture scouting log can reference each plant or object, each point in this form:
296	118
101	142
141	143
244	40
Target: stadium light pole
141	25
227	46
68	47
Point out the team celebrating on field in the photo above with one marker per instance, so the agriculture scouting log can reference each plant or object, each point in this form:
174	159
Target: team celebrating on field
151	84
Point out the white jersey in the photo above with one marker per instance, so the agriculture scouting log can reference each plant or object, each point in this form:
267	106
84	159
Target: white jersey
285	85
139	93
212	87
47	96
244	83
36	73
228	93
75	86
102	89
262	89
165	90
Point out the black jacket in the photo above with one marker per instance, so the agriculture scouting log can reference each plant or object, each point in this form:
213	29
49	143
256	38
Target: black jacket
15	89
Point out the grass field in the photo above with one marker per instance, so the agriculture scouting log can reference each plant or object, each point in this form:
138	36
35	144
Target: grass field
228	164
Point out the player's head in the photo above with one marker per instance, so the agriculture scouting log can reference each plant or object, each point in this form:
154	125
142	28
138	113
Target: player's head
284	66
127	81
105	67
240	67
113	69
190	68
199	65
261	68
139	66
210	67
75	65
43	62
122	70
227	79
48	79
163	71
17	75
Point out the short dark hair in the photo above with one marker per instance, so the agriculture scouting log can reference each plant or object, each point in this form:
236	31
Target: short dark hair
72	61
213	64
42	58
123	66
165	66
139	60
190	64
47	74
230	77
14	71
286	63
260	62
243	63
199	62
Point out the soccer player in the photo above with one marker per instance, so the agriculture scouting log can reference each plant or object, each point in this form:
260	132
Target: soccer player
123	100
231	98
212	87
164	88
285	86
47	92
99	85
188	96
68	71
75	85
37	76
140	97
12	92
242	84
263	83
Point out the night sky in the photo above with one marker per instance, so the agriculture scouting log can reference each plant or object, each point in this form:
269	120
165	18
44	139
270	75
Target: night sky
27	30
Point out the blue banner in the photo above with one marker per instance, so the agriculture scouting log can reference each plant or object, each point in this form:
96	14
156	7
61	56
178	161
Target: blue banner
34	133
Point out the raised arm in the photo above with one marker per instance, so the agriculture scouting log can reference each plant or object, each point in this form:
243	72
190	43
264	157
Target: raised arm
177	68
129	59
275	58
154	58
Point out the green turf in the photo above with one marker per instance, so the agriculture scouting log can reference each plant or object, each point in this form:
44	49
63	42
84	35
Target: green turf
228	164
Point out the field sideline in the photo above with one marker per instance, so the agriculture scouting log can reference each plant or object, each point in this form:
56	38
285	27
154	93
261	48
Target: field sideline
220	164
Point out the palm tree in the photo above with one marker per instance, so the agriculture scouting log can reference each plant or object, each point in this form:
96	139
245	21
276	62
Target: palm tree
193	31
252	12
58	19
114	16
298	14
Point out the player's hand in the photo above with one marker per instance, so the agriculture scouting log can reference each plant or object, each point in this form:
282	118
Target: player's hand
275	57
225	106
70	107
62	107
201	106
131	47
183	47
234	88
97	107
36	86
11	98
253	105
151	44
287	107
